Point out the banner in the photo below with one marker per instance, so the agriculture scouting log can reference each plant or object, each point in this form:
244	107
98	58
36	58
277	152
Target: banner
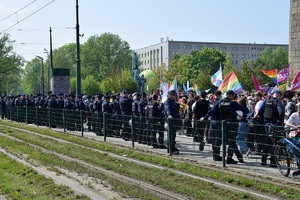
257	86
283	74
216	79
296	81
272	73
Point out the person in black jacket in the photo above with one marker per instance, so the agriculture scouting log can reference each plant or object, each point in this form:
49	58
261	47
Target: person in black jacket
171	111
227	108
200	110
126	110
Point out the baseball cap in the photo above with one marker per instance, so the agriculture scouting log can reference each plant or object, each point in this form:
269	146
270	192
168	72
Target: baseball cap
230	92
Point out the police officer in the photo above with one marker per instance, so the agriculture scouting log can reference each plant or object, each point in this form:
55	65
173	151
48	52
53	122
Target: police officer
108	109
98	116
143	121
79	106
70	107
171	111
200	110
135	112
227	108
156	121
273	118
126	111
117	116
3	106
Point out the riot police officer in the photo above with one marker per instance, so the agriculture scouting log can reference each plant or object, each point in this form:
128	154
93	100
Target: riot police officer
143	122
126	111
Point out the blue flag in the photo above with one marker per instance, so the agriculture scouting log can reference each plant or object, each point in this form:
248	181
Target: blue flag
184	88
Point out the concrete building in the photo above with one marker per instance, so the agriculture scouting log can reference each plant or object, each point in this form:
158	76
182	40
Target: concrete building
162	53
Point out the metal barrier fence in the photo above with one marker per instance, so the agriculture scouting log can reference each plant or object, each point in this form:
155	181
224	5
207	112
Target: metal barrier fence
254	142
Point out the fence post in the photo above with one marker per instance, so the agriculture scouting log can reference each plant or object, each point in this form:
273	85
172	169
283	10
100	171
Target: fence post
10	112
64	119
223	143
169	122
104	126
81	122
26	114
17	113
49	115
36	116
132	130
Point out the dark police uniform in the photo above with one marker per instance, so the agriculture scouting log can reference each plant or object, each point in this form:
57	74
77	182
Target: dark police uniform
126	111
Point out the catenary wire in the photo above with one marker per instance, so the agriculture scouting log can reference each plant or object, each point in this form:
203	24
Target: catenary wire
17	11
28	16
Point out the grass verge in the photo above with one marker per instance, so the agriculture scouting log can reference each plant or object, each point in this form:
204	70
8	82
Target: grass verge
21	182
182	166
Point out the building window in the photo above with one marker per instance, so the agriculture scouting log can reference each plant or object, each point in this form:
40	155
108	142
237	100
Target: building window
243	55
232	49
148	53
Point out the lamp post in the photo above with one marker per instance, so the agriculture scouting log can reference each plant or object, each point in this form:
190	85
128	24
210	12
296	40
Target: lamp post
42	78
78	73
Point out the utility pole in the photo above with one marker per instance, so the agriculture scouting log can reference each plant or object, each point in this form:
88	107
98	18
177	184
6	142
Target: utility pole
42	78
51	59
78	73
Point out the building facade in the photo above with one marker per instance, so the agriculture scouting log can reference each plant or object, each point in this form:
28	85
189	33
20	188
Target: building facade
161	54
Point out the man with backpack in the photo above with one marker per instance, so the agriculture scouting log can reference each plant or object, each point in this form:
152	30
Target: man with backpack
273	117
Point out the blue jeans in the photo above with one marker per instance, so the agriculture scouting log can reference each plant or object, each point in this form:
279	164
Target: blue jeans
241	138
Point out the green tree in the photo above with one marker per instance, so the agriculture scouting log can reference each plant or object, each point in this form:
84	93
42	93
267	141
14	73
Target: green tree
203	80
273	59
90	85
116	82
227	66
176	68
64	57
198	60
31	82
10	62
159	75
244	76
104	54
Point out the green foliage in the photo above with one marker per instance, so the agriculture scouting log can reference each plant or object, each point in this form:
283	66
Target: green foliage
160	73
273	59
90	85
116	82
203	80
198	60
177	68
228	67
244	76
31	82
102	55
10	62
65	57
73	85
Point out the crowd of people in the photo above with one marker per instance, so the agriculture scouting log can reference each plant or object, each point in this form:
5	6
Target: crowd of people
197	116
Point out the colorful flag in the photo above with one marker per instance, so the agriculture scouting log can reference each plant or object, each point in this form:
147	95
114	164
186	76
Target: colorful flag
296	81
197	90
164	92
184	88
173	85
207	90
283	74
287	87
272	73
216	79
230	82
269	91
257	86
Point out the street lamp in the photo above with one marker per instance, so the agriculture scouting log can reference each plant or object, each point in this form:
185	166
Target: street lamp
42	78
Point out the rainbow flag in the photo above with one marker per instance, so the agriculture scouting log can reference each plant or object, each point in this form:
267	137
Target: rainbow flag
272	73
196	89
230	82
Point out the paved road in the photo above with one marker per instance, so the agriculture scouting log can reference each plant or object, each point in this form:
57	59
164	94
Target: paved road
190	150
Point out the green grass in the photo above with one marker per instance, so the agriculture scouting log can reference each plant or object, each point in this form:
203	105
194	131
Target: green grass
21	182
182	166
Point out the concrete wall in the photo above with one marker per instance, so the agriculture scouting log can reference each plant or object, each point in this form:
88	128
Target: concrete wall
294	38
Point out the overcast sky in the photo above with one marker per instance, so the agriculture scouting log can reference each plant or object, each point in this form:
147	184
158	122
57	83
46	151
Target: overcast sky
143	22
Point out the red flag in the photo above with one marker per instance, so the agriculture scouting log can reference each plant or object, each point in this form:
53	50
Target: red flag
283	74
257	86
296	81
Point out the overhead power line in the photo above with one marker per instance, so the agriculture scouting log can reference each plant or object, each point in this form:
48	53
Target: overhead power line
17	11
28	16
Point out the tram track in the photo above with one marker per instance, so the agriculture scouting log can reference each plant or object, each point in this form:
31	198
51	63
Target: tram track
162	193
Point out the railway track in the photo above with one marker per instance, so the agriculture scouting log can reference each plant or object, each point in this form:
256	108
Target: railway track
155	190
